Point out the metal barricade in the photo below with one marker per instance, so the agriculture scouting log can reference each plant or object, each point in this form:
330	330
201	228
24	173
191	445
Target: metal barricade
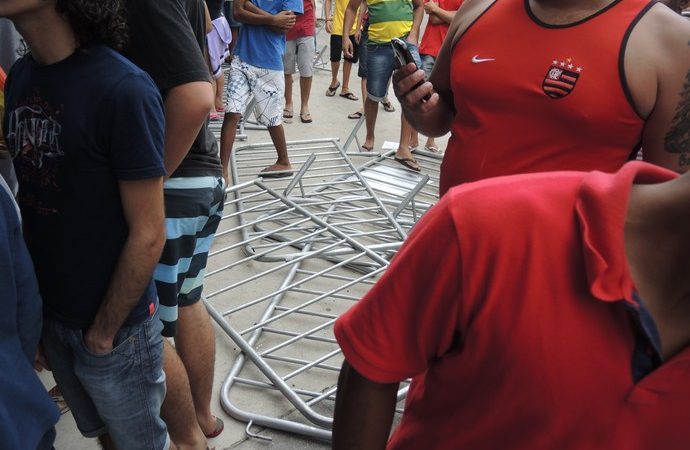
290	256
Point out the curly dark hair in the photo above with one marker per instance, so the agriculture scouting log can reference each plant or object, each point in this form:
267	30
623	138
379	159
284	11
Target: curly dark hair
96	20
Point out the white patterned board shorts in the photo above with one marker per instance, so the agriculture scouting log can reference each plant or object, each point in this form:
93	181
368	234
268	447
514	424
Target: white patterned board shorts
267	86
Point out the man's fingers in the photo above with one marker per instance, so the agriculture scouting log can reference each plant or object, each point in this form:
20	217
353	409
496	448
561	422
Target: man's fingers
417	95
403	72
403	84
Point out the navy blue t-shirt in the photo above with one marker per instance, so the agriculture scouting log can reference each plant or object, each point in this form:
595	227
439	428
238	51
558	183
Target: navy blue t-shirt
75	128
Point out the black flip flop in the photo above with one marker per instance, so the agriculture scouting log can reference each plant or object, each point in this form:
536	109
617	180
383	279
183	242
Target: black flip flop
330	92
275	173
349	96
410	163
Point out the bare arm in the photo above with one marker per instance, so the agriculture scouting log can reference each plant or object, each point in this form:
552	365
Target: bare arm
438	14
658	73
247	12
361	12
348	20
207	16
363	411
434	117
142	203
327	13
417	16
186	109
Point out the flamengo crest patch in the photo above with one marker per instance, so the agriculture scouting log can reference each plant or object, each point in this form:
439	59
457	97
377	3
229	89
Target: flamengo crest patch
561	78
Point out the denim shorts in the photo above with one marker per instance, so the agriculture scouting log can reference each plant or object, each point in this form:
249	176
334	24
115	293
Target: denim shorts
380	66
119	393
427	66
362	69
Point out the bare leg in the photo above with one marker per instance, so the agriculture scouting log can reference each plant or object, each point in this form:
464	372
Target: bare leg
288	92
371	109
227	138
405	131
304	91
347	69
414	138
220	85
431	143
364	92
196	345
335	66
178	408
278	137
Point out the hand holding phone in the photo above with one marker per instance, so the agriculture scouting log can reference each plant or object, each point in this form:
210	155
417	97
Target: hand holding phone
404	57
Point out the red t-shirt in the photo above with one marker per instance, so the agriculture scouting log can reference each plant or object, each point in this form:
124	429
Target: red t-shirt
435	33
305	25
531	97
507	304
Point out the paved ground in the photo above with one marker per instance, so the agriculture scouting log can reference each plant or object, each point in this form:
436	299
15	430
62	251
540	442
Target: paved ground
330	120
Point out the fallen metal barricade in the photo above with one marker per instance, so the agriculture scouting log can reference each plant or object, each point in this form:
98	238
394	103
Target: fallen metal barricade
290	256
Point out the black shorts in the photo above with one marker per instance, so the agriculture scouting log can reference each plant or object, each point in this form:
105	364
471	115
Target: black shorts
337	49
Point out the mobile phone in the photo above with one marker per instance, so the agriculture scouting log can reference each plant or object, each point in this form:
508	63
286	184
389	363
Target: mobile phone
403	55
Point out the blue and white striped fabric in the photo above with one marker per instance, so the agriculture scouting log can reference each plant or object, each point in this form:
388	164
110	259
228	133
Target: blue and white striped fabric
193	209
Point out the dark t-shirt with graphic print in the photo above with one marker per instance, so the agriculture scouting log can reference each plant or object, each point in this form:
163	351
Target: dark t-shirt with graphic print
75	129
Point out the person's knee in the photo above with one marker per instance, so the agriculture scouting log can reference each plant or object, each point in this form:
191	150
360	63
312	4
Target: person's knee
231	118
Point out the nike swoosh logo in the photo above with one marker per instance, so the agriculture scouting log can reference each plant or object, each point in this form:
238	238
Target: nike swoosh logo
476	59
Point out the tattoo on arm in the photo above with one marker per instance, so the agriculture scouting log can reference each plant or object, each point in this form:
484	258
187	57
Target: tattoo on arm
677	139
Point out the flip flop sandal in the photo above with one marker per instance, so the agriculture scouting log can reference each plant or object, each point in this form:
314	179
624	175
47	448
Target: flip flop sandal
216	431
432	149
330	92
266	173
355	115
305	118
410	163
388	107
366	149
349	96
287	114
59	400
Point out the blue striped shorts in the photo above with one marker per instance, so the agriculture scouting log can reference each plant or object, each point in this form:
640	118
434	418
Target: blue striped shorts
193	209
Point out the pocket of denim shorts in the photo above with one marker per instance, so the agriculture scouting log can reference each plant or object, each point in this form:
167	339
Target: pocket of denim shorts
123	344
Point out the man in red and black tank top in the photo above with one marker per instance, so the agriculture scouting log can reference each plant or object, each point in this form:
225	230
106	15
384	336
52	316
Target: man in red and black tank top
542	85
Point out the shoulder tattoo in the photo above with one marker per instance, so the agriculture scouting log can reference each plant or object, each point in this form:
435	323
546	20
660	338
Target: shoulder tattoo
677	139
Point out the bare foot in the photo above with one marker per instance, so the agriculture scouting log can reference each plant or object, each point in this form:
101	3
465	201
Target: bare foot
276	171
276	167
367	146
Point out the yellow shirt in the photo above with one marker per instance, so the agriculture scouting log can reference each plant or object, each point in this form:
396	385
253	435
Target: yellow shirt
339	18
